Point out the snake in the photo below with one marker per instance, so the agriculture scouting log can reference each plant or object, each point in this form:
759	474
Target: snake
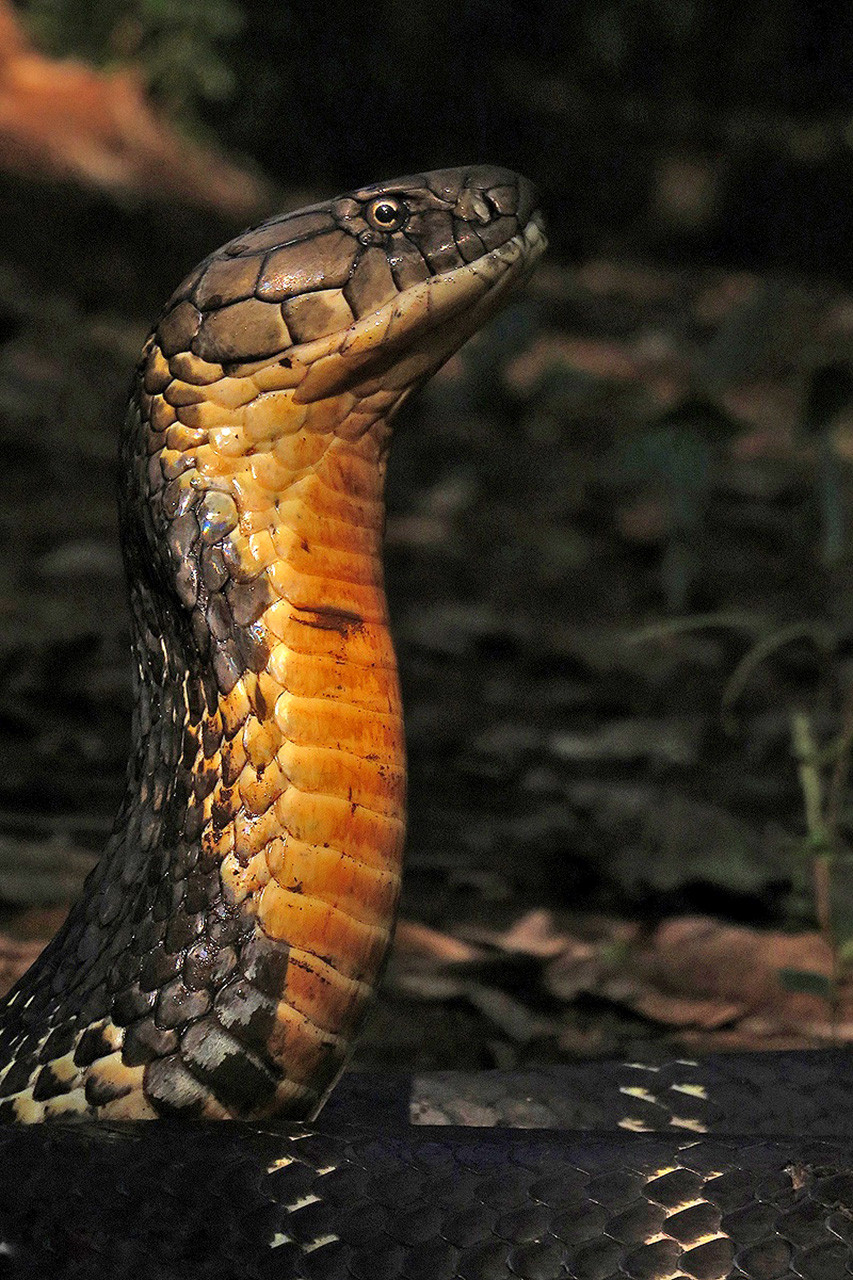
227	945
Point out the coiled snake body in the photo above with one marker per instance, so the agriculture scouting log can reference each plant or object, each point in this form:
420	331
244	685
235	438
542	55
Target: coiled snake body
221	957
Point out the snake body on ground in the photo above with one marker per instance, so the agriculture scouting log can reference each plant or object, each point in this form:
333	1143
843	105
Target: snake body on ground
225	948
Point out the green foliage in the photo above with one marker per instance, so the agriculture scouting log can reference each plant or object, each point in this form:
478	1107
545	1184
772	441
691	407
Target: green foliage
823	771
805	983
820	635
676	453
175	43
830	395
823	776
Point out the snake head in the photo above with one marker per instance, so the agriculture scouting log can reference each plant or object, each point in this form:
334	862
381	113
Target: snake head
309	329
382	284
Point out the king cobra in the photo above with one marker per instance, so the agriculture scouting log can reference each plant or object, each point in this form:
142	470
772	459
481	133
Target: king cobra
225	948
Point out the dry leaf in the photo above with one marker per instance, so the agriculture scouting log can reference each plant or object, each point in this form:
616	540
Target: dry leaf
64	119
533	934
415	939
712	973
514	1019
15	958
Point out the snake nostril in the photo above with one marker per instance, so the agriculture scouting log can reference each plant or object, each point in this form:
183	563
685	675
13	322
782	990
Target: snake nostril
492	205
475	206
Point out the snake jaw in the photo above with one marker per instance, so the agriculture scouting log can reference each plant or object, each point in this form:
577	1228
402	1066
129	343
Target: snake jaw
434	318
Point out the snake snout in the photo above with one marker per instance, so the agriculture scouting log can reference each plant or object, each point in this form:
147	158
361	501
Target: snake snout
510	194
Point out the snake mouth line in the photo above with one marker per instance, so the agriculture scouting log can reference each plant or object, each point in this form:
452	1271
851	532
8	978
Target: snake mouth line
467	295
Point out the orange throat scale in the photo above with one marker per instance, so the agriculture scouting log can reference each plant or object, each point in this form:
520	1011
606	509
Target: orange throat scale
227	944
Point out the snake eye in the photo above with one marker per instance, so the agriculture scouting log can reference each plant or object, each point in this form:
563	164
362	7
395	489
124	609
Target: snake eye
386	214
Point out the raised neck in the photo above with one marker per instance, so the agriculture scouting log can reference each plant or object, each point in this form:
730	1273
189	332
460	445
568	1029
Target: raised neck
226	945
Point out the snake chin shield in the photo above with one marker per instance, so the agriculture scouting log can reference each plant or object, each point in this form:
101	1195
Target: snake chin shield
225	948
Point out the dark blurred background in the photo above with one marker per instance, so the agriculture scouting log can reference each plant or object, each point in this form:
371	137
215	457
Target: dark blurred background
619	545
706	129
